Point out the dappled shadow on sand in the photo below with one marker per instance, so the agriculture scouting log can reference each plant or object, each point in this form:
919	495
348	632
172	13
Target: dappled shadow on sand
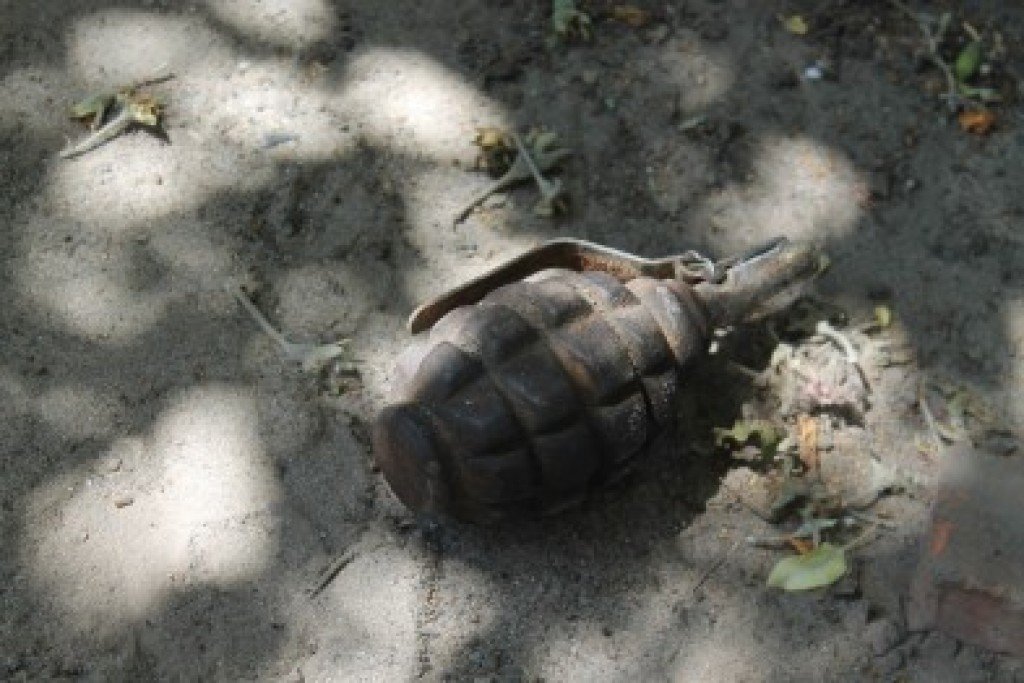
115	317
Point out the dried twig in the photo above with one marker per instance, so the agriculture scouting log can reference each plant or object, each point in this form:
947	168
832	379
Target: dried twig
769	541
873	520
929	419
862	538
747	372
971	31
714	568
312	357
551	192
110	130
824	329
162	76
331	571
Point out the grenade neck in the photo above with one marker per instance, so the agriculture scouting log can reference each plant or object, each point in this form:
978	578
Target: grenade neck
760	285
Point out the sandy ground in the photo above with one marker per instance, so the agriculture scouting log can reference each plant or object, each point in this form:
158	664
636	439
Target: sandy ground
171	487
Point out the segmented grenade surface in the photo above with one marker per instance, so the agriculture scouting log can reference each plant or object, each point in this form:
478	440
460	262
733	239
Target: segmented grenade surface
540	392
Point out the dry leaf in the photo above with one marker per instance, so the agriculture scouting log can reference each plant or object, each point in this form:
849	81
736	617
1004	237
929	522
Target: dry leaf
492	136
977	121
497	151
796	25
941	533
800	545
630	15
146	109
807	440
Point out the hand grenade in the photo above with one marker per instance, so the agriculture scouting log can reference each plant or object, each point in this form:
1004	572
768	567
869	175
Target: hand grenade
545	379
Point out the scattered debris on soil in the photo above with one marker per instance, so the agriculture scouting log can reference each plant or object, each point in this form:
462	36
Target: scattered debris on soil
568	22
957	413
110	114
538	154
312	358
971	64
811	475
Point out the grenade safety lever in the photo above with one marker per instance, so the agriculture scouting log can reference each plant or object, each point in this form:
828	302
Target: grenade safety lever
774	260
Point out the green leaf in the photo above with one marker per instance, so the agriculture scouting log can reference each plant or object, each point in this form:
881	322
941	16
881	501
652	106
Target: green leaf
823	566
968	61
796	25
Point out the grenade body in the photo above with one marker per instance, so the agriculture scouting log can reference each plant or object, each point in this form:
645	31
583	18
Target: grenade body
544	390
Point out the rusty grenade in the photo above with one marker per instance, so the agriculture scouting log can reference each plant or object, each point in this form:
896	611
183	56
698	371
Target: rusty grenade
536	383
